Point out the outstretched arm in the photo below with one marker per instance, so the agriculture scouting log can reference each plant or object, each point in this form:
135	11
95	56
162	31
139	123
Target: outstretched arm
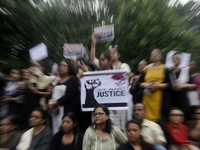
92	50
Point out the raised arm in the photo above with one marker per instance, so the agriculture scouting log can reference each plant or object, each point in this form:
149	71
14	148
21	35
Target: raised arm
92	50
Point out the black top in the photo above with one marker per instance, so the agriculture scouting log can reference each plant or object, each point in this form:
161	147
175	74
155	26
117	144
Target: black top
12	142
145	146
57	144
42	140
70	100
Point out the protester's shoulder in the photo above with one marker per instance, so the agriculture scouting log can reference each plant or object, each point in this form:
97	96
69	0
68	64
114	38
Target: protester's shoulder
47	130
73	79
125	146
151	123
90	129
58	134
114	127
147	146
126	67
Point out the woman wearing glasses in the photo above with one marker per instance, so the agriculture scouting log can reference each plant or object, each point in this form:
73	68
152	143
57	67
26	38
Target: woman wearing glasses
9	132
65	95
177	132
102	135
39	136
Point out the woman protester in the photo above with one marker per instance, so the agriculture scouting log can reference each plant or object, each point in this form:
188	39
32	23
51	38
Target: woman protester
102	134
9	132
194	125
155	81
181	84
39	136
135	141
114	53
65	95
177	132
40	86
13	99
69	137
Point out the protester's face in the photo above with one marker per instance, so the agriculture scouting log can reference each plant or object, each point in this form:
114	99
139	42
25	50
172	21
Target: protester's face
104	63
176	59
36	119
155	56
6	126
139	112
176	116
133	132
100	116
141	66
15	75
26	73
67	124
63	68
114	55
197	114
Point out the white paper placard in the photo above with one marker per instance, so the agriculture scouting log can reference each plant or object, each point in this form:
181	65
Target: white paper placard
73	50
38	52
104	33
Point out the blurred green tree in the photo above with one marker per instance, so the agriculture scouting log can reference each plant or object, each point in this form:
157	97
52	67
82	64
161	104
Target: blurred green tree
140	26
146	24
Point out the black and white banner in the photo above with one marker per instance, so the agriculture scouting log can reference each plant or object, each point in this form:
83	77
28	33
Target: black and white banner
108	88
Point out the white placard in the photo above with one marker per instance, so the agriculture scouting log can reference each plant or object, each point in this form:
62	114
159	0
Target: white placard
38	52
184	59
108	88
73	50
104	33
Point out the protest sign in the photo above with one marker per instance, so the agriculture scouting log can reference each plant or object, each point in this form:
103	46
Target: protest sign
104	33
73	50
108	88
38	52
184	59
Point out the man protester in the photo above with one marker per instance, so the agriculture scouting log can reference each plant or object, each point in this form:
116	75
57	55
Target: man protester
151	132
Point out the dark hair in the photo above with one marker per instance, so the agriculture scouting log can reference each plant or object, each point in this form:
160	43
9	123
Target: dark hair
176	53
134	122
106	55
72	70
14	120
173	108
144	106
44	113
115	47
108	126
92	67
74	118
194	108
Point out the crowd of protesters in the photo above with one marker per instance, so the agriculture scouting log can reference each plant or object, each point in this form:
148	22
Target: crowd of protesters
41	112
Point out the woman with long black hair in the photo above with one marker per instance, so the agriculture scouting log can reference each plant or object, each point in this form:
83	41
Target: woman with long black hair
102	134
69	136
65	95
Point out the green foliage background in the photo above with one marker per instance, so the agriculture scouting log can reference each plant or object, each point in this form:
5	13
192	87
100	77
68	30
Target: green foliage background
140	26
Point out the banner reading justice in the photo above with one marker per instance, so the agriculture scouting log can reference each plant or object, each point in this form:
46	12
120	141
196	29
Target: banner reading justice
108	88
